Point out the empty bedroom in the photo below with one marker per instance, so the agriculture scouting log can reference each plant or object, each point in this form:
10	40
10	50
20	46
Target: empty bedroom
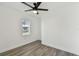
39	28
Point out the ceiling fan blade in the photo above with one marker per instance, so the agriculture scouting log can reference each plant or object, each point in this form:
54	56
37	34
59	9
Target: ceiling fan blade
38	4
29	10
42	9
27	4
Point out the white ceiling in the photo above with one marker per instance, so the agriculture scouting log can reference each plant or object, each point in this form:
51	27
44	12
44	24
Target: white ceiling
48	5
19	5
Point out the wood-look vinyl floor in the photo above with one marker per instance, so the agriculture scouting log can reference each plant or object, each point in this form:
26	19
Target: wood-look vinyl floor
31	49
35	49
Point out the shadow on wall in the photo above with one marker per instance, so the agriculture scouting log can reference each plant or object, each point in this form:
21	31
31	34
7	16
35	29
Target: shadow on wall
64	53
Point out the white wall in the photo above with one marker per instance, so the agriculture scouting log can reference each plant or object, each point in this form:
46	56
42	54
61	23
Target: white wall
60	26
10	33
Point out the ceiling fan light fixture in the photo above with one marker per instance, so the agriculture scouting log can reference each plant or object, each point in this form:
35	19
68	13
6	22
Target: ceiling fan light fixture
34	11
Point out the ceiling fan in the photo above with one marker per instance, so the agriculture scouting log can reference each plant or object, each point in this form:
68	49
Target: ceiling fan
35	8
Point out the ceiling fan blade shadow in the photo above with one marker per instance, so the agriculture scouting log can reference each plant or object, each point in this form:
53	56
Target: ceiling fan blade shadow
27	4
